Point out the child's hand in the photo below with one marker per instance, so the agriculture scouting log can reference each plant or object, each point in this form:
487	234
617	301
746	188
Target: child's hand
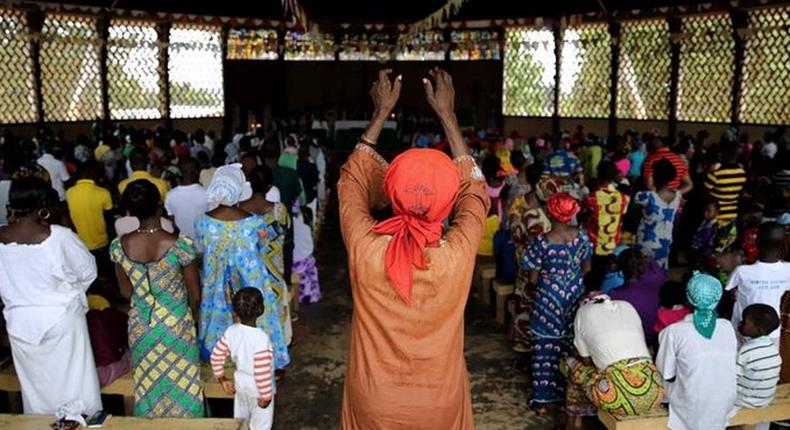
227	386
264	403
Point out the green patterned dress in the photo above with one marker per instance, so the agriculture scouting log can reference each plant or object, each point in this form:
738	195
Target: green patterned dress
162	334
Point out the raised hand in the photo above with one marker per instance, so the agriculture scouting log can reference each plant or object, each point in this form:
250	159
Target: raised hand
441	97
385	93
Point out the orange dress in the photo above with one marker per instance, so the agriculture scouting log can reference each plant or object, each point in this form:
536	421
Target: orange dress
406	366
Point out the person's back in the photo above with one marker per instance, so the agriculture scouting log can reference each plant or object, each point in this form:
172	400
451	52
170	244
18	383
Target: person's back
87	204
703	371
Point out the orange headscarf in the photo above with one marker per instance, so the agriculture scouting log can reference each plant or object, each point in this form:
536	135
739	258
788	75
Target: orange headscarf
422	185
562	207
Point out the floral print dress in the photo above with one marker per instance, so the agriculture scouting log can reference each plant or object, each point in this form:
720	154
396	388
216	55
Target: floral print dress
232	260
560	287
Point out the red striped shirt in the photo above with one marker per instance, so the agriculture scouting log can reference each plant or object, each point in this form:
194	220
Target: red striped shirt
677	162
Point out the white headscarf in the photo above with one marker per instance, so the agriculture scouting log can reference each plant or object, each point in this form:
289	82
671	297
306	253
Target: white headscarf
228	187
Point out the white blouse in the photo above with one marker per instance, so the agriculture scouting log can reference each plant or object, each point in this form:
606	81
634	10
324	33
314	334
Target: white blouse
40	283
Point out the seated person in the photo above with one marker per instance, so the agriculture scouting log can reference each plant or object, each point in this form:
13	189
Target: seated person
759	362
697	358
673	307
614	370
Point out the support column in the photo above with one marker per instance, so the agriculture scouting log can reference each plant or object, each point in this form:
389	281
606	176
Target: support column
675	27
740	22
103	30
35	23
556	29
614	33
227	121
163	30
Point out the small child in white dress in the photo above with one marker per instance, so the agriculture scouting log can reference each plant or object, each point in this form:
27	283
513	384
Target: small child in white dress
250	349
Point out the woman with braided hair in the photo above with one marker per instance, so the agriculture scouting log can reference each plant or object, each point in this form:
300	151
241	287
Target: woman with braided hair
557	262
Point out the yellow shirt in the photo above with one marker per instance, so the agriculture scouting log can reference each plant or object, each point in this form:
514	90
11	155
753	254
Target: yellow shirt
101	151
490	228
87	203
141	174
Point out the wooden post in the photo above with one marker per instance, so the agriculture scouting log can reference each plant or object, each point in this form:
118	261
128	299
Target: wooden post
614	33
163	32
103	30
740	20
227	121
556	29
675	26
35	23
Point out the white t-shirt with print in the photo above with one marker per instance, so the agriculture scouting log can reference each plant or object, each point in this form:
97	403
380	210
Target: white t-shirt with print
759	283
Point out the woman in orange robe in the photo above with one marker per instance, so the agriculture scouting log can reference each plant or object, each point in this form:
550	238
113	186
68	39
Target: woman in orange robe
409	279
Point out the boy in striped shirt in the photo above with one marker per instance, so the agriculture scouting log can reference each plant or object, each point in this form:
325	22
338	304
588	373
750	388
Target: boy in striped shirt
251	351
759	362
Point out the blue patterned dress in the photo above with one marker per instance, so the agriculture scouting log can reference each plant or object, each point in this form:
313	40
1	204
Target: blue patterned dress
654	236
560	287
232	260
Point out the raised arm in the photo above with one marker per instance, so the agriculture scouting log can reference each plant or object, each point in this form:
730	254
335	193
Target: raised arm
472	204
360	187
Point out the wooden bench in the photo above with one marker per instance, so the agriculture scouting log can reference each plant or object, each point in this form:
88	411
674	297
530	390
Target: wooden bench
124	386
778	410
39	422
484	274
502	291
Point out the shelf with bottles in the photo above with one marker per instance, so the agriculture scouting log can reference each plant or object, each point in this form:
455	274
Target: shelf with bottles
312	46
472	45
365	47
252	44
425	46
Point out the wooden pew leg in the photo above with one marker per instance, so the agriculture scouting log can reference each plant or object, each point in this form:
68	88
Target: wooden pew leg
128	405
500	308
15	402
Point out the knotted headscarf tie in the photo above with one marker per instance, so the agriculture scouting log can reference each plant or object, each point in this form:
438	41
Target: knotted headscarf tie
422	185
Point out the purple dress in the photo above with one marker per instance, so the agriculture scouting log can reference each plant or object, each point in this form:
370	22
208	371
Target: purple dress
643	295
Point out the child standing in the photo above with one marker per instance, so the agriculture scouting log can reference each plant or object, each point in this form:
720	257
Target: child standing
704	238
672	297
251	351
759	362
304	262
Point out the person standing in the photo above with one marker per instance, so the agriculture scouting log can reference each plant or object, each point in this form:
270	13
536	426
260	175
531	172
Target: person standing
45	271
557	262
698	356
659	150
659	210
726	183
138	161
88	205
406	366
157	271
56	169
187	202
233	241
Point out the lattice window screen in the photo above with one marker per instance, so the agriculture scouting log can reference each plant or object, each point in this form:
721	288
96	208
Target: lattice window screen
529	72
765	92
70	76
585	71
195	71
644	75
707	69
17	93
133	70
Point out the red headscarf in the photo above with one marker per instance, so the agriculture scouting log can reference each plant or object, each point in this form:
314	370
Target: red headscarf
422	185
562	207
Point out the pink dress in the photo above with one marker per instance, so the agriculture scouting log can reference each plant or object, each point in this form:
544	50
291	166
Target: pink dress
668	317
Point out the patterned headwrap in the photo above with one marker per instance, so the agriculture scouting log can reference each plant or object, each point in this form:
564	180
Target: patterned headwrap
562	207
704	292
228	187
422	185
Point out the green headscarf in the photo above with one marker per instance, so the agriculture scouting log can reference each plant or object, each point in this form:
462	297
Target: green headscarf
704	292
288	160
